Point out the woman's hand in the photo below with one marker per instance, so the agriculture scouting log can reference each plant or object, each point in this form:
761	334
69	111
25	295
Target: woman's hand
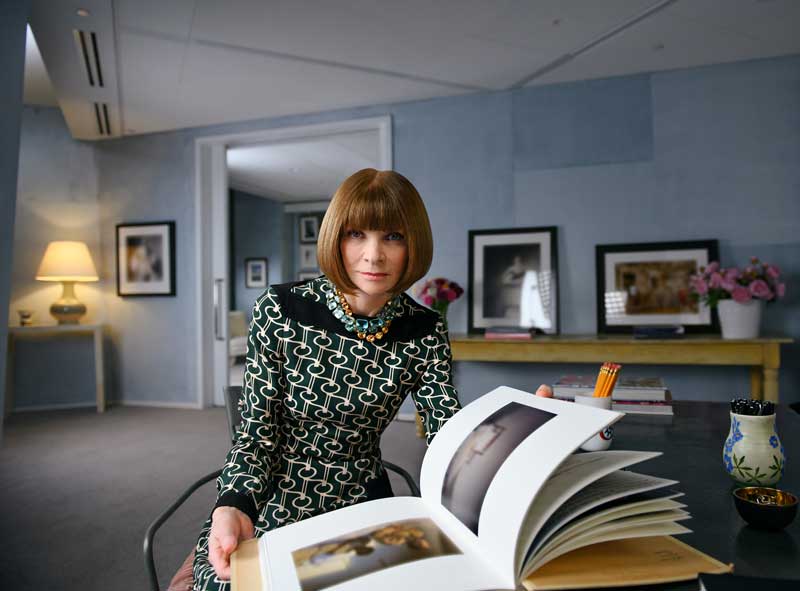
229	526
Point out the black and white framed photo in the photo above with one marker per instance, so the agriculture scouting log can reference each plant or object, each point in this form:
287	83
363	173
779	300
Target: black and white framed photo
309	228
146	259
308	257
256	273
513	279
647	284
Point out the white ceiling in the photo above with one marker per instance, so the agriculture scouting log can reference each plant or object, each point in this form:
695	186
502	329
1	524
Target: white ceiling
307	170
185	63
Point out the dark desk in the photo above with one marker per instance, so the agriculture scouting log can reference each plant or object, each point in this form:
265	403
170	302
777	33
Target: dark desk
692	444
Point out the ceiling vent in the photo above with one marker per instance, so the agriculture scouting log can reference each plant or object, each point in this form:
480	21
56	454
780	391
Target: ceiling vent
101	114
86	45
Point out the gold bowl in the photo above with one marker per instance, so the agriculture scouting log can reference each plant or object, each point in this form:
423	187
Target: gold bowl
765	508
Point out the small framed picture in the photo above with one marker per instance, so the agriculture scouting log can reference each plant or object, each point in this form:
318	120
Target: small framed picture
146	259
309	228
308	257
304	275
648	284
256	273
513	279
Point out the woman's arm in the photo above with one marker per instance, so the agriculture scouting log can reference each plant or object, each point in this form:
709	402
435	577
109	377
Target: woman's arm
434	395
245	475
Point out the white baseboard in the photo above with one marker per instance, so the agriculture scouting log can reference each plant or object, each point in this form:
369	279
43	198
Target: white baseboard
63	406
158	404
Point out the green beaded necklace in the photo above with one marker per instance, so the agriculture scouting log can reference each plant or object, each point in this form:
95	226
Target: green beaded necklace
364	328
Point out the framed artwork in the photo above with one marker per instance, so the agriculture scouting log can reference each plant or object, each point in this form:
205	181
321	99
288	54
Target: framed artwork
256	273
303	275
308	257
513	279
647	284
146	259
309	228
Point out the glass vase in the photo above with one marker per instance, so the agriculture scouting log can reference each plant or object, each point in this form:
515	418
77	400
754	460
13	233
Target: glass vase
753	453
441	307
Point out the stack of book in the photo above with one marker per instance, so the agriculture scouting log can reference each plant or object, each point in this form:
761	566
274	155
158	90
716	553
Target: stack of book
631	395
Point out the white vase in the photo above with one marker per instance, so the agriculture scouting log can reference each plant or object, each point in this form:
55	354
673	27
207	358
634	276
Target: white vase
740	321
753	453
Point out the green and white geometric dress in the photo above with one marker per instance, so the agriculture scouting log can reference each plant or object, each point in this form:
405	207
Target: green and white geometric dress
316	401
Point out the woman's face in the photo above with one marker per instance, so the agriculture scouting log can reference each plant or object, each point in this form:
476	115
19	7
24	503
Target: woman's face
375	260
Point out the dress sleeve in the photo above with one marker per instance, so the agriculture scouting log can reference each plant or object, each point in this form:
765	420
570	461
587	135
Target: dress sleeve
435	397
245	476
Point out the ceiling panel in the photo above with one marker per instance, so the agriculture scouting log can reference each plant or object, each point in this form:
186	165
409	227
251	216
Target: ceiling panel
171	18
668	42
221	85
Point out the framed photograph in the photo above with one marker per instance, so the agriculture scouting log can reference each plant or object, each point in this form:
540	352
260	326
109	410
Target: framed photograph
146	259
303	275
256	273
648	284
309	228
308	257
513	279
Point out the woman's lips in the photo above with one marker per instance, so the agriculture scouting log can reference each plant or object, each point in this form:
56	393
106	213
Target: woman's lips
374	276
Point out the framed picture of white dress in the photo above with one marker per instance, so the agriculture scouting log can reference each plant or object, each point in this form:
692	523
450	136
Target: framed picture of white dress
146	259
513	279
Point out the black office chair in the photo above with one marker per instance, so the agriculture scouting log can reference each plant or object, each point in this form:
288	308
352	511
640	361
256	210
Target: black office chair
233	394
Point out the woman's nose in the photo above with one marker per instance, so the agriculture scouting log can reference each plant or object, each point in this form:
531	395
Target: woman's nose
373	251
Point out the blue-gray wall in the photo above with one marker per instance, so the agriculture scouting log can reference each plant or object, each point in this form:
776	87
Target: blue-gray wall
256	232
701	153
56	200
13	19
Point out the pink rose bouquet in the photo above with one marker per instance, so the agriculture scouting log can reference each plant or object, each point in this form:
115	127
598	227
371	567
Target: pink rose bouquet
757	280
439	293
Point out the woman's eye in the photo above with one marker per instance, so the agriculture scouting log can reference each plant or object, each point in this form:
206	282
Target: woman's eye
355	233
394	236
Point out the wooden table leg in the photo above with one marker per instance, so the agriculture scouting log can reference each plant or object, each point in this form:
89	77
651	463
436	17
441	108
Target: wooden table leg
756	382
772	362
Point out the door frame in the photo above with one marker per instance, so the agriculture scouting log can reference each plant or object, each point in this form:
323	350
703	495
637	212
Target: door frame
209	188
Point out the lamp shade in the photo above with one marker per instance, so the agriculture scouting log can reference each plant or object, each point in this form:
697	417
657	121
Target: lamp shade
67	261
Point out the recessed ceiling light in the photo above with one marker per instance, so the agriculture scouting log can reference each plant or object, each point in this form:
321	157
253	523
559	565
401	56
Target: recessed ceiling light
83	12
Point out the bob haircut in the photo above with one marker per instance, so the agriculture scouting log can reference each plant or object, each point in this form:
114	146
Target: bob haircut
376	200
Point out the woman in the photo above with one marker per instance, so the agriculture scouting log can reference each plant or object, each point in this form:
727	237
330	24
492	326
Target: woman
329	362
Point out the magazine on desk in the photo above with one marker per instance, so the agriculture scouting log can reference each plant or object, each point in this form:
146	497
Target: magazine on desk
502	495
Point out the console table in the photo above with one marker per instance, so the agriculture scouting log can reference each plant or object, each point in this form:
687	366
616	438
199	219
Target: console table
55	331
762	355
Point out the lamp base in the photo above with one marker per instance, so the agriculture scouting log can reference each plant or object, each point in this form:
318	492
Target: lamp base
67	309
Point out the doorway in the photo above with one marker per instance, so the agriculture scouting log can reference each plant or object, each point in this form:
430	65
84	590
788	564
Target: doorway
213	252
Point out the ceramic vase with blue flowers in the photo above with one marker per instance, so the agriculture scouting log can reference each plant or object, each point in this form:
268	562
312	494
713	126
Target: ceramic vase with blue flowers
753	453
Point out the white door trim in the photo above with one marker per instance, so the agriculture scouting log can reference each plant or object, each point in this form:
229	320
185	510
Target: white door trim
206	192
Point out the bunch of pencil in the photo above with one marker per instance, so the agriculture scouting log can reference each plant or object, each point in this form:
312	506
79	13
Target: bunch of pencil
606	379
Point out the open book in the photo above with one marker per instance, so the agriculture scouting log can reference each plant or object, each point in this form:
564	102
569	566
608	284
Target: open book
502	495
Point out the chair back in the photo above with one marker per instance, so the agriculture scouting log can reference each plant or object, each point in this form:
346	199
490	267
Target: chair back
233	394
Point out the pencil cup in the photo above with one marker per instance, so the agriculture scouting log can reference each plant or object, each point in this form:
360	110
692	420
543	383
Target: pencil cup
601	440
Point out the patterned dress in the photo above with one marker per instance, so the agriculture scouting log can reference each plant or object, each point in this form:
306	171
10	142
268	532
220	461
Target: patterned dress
316	400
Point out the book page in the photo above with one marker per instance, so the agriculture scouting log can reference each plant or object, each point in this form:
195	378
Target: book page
621	485
665	528
487	463
391	544
641	561
574	474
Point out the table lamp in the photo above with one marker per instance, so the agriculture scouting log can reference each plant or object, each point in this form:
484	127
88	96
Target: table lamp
67	262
